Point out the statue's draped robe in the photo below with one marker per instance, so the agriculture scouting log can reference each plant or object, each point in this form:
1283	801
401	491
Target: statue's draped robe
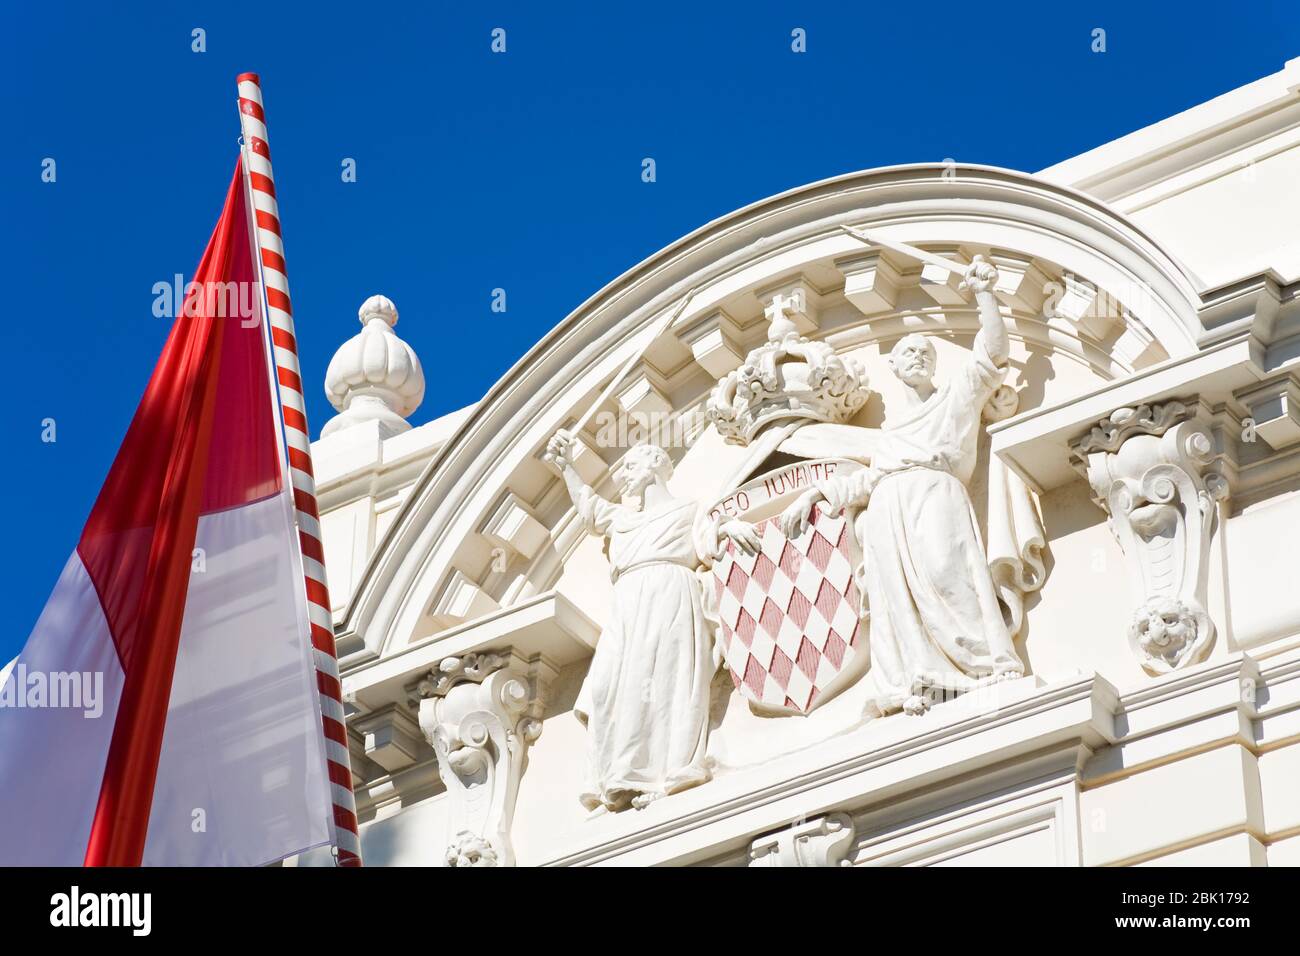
936	624
645	700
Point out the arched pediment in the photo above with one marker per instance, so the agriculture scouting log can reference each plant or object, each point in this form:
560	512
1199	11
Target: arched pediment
485	524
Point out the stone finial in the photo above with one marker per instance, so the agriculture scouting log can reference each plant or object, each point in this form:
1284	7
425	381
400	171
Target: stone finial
374	376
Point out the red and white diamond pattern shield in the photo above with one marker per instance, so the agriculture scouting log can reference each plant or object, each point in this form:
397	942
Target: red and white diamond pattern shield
789	614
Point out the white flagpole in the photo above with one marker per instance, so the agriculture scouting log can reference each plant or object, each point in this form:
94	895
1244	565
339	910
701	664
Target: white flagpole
265	215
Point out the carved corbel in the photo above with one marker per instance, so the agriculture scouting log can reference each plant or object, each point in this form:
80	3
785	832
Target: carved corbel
1154	471
714	343
824	841
480	713
871	282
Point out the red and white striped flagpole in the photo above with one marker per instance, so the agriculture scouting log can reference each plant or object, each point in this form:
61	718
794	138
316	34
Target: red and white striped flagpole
270	247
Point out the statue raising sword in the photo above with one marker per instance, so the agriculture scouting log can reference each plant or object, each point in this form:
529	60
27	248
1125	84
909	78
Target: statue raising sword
936	625
645	701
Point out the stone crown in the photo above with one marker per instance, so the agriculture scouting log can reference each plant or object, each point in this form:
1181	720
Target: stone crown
787	378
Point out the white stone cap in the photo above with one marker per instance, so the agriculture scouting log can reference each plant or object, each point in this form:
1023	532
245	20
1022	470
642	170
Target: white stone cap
374	376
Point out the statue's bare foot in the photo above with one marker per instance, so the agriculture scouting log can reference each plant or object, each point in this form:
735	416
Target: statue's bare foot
916	705
643	800
1010	675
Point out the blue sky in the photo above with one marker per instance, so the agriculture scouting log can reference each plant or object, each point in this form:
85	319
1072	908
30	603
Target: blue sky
478	170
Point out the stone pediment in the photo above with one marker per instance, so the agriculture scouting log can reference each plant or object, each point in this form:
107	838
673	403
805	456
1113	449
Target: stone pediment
779	354
1036	234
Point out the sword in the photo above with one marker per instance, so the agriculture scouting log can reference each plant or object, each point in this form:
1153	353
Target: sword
617	380
876	239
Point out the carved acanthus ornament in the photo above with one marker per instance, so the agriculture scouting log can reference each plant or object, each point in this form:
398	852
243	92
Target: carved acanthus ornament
480	713
1153	469
824	841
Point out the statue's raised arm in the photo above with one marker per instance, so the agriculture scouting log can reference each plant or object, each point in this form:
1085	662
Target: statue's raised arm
981	278
642	478
560	451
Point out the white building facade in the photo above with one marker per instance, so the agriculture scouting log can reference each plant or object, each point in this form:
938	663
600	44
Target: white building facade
1133	481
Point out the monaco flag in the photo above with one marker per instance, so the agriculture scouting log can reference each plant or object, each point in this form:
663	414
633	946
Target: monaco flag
166	709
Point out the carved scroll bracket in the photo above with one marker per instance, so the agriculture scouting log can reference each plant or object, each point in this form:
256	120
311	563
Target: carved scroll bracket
824	841
1154	470
481	712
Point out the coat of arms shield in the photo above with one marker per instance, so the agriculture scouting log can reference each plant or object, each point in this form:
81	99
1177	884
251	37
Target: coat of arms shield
791	617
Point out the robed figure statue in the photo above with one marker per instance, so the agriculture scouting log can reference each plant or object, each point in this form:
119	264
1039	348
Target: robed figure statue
645	700
936	626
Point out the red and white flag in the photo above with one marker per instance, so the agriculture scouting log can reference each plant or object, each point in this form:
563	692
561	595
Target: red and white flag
166	708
